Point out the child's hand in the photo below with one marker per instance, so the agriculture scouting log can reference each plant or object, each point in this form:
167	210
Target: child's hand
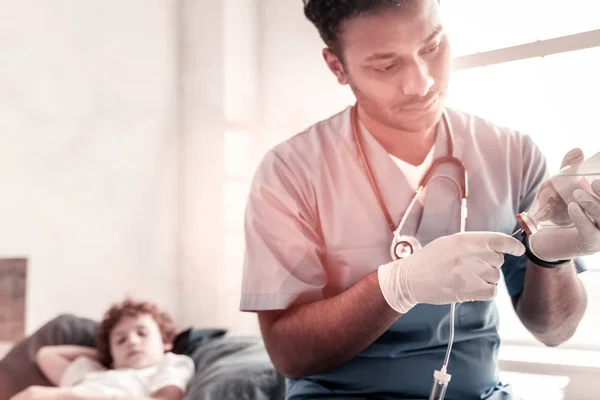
42	393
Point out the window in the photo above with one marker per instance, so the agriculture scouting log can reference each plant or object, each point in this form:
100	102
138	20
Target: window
550	97
553	99
477	26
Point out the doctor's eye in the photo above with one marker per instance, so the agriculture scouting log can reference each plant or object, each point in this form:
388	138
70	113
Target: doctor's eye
432	49
385	68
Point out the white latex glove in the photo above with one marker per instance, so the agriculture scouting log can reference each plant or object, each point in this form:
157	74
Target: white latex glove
576	241
456	268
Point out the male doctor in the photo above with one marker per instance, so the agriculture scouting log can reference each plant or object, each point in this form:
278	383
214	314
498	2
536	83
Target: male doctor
339	317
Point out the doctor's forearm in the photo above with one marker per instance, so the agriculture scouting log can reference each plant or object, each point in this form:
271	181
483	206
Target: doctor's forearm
316	337
552	303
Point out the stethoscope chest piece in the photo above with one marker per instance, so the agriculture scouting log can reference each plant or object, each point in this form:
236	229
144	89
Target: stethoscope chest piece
403	246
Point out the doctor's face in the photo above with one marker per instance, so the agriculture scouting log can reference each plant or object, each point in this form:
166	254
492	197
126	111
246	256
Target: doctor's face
397	63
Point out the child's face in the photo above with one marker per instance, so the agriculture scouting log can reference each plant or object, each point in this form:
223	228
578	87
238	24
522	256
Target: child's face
136	342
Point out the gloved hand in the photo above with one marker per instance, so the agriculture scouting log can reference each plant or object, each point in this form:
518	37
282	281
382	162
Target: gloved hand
579	240
456	268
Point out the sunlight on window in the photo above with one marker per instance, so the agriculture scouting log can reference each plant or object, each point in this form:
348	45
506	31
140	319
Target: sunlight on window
550	355
587	333
238	153
536	387
236	195
476	26
233	258
553	99
240	164
240	61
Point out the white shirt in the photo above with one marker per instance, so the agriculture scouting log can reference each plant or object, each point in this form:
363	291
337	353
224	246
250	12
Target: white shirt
88	376
414	173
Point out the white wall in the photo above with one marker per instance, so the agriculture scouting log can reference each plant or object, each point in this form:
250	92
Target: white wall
201	130
298	89
219	126
88	166
237	100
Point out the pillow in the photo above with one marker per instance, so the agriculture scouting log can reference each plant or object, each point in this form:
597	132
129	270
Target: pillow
235	368
18	369
190	339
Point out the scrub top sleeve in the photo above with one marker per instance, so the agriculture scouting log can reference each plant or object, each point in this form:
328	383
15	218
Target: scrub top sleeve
283	244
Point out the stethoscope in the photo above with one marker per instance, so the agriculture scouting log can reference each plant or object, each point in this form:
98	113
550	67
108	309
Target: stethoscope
403	245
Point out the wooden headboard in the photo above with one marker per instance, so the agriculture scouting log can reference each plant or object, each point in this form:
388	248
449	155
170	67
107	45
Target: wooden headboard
13	286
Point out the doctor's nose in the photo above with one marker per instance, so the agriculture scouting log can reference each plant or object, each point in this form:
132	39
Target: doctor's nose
416	81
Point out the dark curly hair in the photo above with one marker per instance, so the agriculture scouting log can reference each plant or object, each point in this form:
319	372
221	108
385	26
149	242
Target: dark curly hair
130	308
328	15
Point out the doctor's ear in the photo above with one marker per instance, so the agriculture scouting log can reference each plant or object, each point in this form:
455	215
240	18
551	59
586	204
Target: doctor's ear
335	65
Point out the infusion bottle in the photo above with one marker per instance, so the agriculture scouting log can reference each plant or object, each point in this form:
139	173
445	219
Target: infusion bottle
549	207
